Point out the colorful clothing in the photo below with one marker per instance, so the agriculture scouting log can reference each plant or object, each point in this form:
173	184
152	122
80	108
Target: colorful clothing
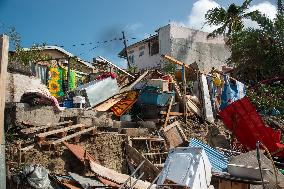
55	82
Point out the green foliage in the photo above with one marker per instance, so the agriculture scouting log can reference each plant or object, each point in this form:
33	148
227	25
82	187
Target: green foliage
169	68
229	21
257	53
268	97
32	55
132	69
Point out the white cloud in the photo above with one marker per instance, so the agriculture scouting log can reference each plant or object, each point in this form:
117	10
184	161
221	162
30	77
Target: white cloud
265	8
196	18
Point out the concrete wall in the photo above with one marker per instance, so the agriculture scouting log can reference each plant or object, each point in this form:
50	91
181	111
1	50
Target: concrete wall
186	45
145	61
189	46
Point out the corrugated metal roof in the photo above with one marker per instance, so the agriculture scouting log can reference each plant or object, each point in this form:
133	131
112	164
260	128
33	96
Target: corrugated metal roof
217	159
51	47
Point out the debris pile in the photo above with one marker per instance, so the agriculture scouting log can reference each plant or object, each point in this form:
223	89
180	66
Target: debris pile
147	130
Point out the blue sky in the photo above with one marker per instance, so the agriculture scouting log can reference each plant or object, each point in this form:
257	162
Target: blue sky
68	22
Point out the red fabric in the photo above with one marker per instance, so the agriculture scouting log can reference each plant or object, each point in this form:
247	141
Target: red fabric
106	75
249	126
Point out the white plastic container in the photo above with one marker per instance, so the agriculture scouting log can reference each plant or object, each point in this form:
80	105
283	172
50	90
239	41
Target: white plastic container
248	172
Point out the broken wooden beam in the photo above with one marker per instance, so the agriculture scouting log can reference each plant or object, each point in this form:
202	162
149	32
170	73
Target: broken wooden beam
148	168
59	130
73	135
42	127
168	112
175	113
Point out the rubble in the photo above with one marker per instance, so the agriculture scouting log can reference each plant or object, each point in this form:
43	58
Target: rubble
140	131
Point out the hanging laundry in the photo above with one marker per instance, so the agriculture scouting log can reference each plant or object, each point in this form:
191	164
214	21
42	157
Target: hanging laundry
55	82
232	92
228	94
72	81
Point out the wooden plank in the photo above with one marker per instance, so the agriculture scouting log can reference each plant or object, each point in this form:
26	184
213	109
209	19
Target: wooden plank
150	171
148	138
40	135
118	178
175	113
38	128
4	48
73	135
192	106
175	61
109	103
129	88
168	113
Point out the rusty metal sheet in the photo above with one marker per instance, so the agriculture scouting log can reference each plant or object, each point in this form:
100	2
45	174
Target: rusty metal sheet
79	152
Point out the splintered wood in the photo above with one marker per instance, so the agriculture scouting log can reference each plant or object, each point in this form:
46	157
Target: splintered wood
150	171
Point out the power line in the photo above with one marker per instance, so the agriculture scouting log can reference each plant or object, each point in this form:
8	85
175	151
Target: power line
97	42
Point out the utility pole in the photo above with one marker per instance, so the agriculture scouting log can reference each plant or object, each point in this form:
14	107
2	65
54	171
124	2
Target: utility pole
125	47
68	73
4	48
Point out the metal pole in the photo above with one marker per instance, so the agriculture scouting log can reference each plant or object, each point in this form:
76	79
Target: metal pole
125	47
68	73
184	90
4	48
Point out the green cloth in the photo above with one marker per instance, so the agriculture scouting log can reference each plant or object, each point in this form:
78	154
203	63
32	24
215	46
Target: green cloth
72	81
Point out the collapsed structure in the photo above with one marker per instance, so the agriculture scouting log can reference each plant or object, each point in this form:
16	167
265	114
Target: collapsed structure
150	129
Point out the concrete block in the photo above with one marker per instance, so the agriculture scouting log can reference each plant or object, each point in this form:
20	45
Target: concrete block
135	132
88	122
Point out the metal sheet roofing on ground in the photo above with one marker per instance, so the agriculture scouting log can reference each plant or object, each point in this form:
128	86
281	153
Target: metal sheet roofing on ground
217	159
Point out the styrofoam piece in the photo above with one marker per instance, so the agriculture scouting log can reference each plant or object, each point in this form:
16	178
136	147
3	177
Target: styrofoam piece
246	171
162	84
79	100
187	166
208	112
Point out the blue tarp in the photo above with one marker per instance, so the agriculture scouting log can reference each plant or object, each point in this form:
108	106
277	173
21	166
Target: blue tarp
217	159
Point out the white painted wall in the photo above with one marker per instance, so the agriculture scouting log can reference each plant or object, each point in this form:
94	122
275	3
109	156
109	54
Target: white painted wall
186	45
145	61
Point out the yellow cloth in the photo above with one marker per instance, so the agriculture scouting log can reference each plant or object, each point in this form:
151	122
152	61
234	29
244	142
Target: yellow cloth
217	79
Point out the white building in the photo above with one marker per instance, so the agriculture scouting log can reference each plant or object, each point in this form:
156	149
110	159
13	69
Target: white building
184	44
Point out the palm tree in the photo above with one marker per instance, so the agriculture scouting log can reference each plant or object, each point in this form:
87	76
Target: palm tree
230	20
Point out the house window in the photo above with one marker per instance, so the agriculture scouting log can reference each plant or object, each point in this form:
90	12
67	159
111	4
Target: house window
131	59
141	48
141	53
154	48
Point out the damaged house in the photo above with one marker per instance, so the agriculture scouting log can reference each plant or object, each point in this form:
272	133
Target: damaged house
186	45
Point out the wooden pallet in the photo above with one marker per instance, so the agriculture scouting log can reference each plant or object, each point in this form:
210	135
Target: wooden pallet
76	136
49	126
58	132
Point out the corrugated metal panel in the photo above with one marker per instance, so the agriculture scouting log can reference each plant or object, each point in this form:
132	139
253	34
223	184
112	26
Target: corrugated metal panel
217	159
